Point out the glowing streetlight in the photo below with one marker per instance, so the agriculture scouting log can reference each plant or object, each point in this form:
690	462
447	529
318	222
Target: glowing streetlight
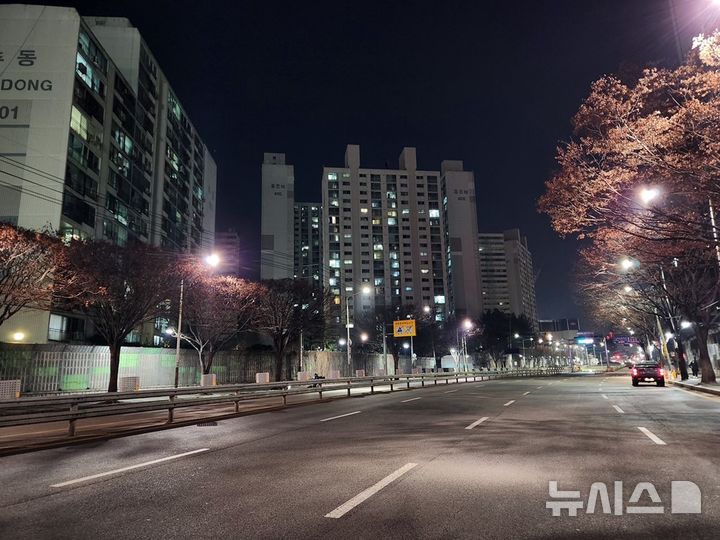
18	336
686	324
212	260
406	345
516	335
467	324
548	336
364	290
426	309
626	264
647	195
342	342
363	337
627	288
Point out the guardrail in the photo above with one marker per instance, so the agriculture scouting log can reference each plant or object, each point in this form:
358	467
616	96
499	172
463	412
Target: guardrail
40	410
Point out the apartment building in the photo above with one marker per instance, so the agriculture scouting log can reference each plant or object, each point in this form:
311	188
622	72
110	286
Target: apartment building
95	143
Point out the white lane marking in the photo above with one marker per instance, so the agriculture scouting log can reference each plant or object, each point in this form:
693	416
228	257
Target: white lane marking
618	409
340	416
449	391
129	468
344	508
539	387
654	438
509	403
526	393
411	399
477	422
604	396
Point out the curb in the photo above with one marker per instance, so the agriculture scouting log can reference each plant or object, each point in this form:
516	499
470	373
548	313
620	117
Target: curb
696	388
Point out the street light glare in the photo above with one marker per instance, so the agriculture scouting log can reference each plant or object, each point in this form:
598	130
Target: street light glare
212	260
18	336
342	342
686	324
406	345
649	194
426	309
169	331
626	264
516	335
363	337
366	289
627	288
468	324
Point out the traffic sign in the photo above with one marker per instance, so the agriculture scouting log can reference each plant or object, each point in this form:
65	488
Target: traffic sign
404	328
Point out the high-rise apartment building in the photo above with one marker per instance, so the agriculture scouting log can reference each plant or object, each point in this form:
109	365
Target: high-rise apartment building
227	247
308	253
94	142
384	228
506	274
277	237
460	218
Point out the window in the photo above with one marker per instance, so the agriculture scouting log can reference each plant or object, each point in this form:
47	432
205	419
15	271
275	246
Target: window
79	123
87	73
332	176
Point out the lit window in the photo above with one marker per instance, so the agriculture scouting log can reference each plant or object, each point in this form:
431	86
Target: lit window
434	213
364	210
440	299
332	176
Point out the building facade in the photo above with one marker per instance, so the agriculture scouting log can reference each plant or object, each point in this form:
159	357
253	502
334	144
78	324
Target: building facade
277	235
383	228
227	247
94	142
308	252
506	274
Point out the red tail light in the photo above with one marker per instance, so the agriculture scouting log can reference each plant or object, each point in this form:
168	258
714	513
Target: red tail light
634	371
661	372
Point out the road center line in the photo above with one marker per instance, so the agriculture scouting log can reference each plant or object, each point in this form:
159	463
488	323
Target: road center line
344	508
340	416
411	399
477	422
604	396
449	391
509	403
526	393
654	438
123	469
539	387
618	409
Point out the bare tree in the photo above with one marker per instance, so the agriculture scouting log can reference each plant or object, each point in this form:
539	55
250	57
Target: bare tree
122	287
217	309
284	309
29	270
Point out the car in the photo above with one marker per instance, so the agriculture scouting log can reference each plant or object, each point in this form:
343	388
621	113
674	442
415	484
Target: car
648	372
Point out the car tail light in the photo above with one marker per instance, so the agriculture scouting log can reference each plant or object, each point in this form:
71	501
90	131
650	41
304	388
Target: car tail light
634	371
661	371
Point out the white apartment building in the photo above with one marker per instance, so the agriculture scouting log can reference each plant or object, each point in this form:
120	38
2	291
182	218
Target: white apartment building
94	143
277	238
384	228
506	274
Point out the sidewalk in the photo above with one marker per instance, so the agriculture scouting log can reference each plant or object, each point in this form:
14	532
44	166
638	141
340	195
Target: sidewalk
693	383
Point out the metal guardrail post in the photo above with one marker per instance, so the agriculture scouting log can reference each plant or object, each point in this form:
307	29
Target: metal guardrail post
372	388
391	384
171	409
320	390
408	382
237	402
71	423
422	382
284	396
348	383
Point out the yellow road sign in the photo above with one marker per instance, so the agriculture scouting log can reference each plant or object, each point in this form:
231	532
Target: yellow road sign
404	328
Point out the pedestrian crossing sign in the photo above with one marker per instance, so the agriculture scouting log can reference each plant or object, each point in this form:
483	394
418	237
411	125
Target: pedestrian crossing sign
404	328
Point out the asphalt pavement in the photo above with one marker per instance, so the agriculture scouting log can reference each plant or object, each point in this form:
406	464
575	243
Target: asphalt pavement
475	460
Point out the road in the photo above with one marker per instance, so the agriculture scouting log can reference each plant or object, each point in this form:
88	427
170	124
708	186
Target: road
473	460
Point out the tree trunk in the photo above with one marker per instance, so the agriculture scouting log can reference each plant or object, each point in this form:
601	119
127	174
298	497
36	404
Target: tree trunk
707	372
114	366
682	361
279	364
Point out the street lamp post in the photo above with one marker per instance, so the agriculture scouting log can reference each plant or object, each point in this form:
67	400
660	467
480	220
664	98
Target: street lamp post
211	260
365	290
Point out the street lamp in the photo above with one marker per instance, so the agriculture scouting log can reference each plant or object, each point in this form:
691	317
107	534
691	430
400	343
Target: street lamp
363	337
211	260
364	290
627	264
647	195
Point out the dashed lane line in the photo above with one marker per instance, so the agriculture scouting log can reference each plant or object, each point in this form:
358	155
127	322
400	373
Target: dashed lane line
477	422
411	399
129	468
340	416
618	409
654	438
509	403
361	497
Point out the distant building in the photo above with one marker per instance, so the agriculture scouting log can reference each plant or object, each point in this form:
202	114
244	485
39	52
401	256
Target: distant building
308	254
227	246
277	240
506	274
559	325
95	144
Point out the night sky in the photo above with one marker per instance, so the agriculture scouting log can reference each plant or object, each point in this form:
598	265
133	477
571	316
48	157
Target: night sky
491	83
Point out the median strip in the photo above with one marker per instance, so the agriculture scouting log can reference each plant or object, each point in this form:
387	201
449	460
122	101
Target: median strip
123	469
344	508
477	422
654	438
340	416
618	409
509	403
